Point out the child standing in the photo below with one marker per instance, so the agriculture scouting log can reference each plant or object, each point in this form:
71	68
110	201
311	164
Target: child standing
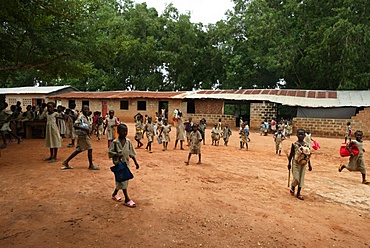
53	139
121	149
188	129
219	125
5	119
356	163
139	129
308	139
243	137
215	135
226	133
61	121
164	133
202	129
348	133
180	131
195	144
111	122
297	164
149	129
99	126
278	138
83	139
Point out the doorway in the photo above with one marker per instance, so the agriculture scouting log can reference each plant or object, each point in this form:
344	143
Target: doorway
162	104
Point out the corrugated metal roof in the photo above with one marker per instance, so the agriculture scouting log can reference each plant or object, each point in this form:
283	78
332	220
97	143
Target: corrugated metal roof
303	98
33	90
122	95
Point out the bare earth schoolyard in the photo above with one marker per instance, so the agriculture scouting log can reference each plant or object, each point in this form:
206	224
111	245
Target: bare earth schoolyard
234	199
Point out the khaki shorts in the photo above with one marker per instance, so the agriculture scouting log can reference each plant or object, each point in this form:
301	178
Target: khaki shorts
83	143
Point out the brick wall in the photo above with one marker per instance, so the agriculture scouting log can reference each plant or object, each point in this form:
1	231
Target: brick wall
209	106
261	111
213	118
335	127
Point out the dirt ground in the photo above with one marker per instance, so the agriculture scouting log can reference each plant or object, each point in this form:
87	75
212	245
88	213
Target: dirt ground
234	199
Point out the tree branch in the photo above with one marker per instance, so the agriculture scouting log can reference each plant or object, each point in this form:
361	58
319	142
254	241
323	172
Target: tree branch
29	66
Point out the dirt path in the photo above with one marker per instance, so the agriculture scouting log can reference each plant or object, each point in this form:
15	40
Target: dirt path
234	199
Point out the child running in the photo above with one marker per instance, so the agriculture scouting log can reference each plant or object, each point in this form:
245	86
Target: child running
215	135
110	123
356	163
149	130
226	133
195	144
121	149
164	133
298	159
53	139
83	127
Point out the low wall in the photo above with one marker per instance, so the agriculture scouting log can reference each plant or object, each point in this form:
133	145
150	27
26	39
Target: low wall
213	118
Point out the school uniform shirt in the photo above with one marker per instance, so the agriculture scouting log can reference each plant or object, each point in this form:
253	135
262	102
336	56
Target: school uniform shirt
83	141
195	142
149	129
166	133
111	130
357	163
226	133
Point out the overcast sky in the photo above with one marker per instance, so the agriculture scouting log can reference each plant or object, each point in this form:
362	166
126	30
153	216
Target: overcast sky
204	11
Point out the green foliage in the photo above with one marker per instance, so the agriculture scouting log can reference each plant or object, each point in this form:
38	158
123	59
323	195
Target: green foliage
118	45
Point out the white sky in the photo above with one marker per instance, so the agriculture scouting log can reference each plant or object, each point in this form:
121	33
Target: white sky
204	11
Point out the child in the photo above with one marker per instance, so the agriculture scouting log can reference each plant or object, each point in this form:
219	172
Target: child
99	126
356	163
60	121
348	133
215	135
83	139
188	129
243	138
298	165
52	136
202	129
278	138
180	131
164	133
110	123
73	114
139	129
121	149
288	129
149	129
247	132
5	119
219	126
262	128
226	133
195	144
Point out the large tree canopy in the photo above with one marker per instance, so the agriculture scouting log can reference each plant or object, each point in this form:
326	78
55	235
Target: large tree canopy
118	45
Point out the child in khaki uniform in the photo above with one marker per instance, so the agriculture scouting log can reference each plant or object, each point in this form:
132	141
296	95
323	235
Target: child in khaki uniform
149	130
195	144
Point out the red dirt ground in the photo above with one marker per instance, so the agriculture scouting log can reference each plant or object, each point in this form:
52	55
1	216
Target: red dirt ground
234	199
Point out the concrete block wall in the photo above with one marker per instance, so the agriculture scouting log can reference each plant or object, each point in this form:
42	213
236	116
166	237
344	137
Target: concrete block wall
261	111
335	127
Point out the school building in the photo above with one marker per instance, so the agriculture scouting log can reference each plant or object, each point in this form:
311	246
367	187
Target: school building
325	113
33	96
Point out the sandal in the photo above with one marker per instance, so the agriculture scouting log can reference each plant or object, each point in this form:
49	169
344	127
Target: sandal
291	192
66	166
300	197
117	198
366	182
341	167
130	204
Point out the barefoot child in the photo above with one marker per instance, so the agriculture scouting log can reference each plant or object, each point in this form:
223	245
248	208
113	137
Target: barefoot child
149	130
356	163
278	138
83	128
195	144
111	122
298	159
180	131
226	133
121	149
52	137
164	133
